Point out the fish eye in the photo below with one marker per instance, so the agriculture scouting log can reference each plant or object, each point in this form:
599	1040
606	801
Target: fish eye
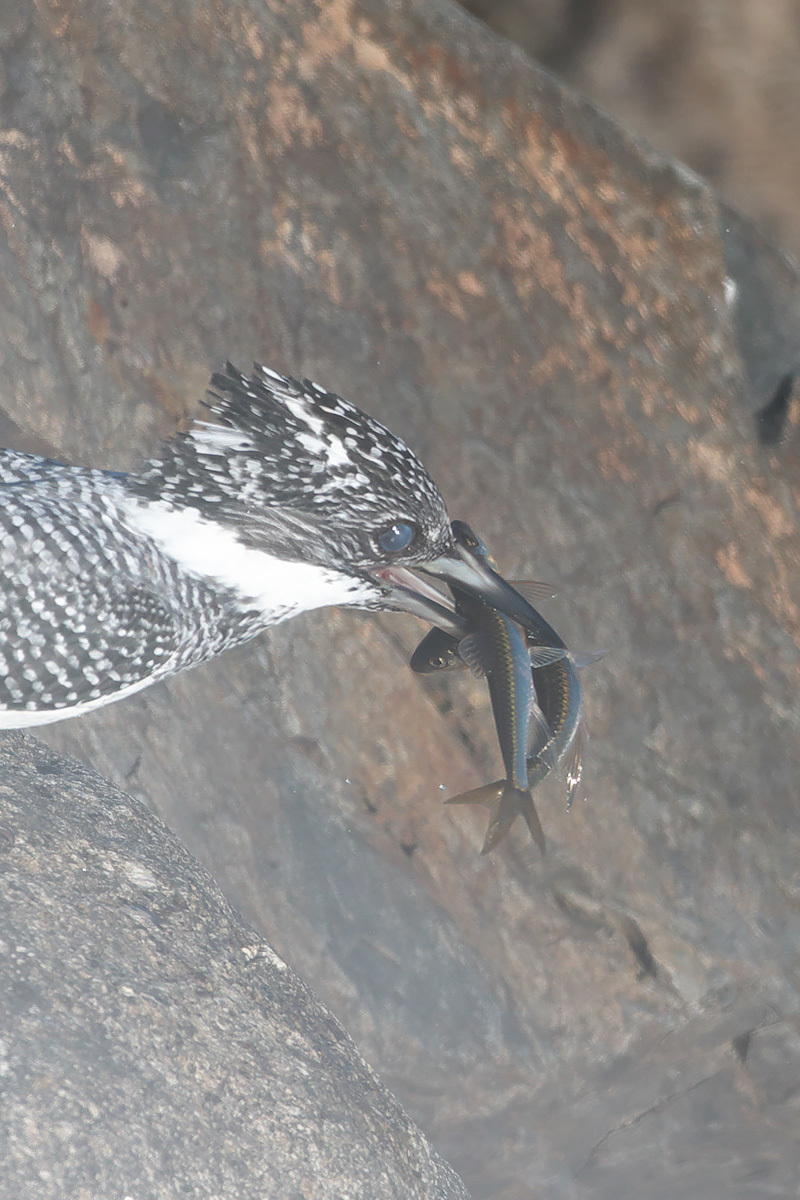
472	543
396	537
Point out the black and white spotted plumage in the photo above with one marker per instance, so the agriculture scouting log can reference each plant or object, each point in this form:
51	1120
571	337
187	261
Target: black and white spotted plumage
110	581
300	470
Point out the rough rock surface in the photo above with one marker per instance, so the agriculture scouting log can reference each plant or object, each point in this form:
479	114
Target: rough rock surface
386	198
152	1044
713	82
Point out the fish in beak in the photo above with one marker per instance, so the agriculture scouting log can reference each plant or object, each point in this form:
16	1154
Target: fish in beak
470	570
471	574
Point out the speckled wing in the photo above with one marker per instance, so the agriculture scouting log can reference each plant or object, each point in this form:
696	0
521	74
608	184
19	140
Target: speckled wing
18	468
23	469
79	619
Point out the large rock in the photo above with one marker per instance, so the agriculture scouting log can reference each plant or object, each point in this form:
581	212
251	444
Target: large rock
712	82
575	337
152	1043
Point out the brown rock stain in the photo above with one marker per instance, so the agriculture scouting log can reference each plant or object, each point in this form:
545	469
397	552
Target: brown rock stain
104	255
777	573
632	296
776	521
548	160
642	252
277	249
324	39
553	168
468	282
729	562
649	398
530	253
713	463
250	134
177	392
328	265
574	228
689	412
555	362
448	296
612	467
300	243
125	188
290	118
464	123
409	131
459	158
252	38
374	58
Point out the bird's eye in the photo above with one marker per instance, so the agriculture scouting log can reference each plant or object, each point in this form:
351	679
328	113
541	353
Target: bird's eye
396	537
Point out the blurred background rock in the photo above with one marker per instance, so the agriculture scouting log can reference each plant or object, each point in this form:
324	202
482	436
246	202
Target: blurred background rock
715	83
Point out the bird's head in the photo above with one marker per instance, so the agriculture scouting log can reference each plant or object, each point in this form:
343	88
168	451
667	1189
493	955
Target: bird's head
300	473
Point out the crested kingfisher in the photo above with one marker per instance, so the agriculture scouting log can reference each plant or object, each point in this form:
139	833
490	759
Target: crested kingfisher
290	499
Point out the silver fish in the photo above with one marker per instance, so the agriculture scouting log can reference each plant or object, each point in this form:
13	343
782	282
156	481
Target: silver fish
559	737
559	694
497	647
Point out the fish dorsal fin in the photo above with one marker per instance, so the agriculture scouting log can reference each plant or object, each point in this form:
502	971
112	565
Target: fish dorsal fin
534	589
545	656
475	651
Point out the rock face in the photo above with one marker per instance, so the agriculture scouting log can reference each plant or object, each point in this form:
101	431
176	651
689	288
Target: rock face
575	337
153	1045
712	82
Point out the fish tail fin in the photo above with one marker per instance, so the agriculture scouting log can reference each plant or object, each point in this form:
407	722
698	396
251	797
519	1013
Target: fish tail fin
488	794
528	810
507	802
503	816
513	802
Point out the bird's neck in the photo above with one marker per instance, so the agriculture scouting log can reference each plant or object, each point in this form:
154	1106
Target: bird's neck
276	587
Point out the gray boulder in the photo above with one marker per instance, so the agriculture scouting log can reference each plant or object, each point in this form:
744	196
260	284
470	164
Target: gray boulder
153	1045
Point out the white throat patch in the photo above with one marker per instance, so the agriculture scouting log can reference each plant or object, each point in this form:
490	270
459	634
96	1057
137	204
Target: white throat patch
279	588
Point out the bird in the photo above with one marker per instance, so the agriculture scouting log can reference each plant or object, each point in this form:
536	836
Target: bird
287	499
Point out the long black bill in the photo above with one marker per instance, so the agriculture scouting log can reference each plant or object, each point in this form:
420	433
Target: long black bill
469	573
